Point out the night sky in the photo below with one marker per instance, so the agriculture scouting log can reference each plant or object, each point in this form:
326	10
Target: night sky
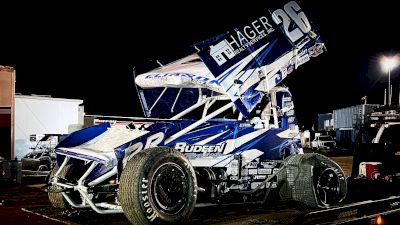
88	51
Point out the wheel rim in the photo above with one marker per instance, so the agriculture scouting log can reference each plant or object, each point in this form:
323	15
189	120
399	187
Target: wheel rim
328	187
169	188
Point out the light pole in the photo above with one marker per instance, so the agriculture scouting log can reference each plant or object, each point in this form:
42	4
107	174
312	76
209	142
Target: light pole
389	89
388	63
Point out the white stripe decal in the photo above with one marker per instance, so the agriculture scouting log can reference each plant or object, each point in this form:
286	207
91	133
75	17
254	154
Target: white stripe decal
205	141
227	81
232	144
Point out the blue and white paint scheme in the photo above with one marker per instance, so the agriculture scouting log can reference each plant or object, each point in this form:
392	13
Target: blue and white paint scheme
210	143
218	128
250	60
221	107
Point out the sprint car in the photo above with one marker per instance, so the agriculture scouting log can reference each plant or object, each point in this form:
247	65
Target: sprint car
218	128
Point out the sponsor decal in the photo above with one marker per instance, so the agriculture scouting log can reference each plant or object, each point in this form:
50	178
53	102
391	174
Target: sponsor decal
112	122
264	171
150	213
290	113
252	171
302	57
260	177
316	50
192	156
244	125
286	99
195	77
240	40
185	148
252	165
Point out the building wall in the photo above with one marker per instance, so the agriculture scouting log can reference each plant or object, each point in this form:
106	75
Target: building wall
352	116
325	122
347	122
7	90
42	115
345	137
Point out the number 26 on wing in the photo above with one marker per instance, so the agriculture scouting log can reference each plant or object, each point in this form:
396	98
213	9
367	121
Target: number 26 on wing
292	13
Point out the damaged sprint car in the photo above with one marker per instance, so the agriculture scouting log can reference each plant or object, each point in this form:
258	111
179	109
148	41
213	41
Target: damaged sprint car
218	128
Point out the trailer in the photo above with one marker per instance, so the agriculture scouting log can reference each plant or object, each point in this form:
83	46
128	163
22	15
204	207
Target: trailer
37	115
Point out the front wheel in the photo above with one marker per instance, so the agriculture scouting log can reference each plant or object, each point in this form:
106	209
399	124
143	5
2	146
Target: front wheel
56	199
158	185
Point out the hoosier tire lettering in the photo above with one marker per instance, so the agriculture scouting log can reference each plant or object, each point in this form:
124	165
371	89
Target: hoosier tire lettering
151	214
158	185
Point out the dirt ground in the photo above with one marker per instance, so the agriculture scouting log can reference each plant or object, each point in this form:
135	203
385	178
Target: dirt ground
28	204
14	200
342	157
345	162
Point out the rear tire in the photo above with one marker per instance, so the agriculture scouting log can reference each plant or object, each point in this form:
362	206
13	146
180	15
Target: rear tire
158	185
313	180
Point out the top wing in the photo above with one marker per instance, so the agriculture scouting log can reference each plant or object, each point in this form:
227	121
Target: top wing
249	61
244	63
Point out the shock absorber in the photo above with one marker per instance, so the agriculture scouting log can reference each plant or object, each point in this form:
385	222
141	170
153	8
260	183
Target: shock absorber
238	157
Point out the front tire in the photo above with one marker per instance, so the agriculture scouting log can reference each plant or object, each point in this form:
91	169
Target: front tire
56	199
158	185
